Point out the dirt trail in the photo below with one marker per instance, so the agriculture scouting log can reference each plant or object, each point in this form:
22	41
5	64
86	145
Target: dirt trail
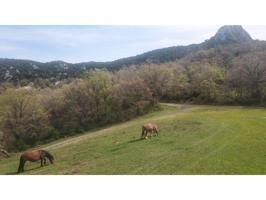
172	104
180	106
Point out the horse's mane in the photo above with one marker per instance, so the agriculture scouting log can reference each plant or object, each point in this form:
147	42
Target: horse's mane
48	154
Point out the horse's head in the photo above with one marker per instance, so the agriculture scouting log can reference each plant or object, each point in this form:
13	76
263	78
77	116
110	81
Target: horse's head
49	156
51	159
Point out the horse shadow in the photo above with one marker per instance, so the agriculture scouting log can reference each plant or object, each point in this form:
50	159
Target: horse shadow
123	145
134	140
11	173
28	170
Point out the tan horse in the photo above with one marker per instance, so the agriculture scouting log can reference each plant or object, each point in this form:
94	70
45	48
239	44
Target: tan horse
33	156
149	128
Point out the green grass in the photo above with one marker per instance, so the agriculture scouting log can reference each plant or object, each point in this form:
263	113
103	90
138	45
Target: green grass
192	140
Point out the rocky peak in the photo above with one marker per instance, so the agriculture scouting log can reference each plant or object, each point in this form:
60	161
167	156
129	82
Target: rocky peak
230	34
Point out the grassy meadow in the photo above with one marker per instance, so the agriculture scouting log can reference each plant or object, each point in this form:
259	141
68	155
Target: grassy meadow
192	140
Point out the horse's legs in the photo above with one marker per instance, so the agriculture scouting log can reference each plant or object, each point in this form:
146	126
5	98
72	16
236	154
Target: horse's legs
43	159
41	162
152	133
21	165
156	131
143	132
146	134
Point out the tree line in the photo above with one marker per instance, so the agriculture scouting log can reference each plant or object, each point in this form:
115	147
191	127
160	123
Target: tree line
32	115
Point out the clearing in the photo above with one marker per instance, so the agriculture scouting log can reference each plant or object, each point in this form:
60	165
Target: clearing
192	140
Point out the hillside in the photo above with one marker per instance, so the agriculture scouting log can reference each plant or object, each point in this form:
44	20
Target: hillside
23	72
192	140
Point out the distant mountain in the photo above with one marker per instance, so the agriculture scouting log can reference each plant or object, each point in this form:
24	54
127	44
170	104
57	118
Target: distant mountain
17	71
225	35
229	34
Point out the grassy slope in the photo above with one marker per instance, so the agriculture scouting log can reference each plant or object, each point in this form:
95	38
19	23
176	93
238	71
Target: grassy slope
193	140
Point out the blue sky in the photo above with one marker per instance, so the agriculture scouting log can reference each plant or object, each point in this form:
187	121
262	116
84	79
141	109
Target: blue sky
99	43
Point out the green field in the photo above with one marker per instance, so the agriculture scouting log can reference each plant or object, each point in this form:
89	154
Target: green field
192	140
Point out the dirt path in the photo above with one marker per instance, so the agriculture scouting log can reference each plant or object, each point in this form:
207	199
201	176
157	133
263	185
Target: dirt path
172	104
180	106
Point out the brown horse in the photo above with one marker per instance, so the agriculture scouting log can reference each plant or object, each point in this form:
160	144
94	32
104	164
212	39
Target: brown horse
149	128
33	156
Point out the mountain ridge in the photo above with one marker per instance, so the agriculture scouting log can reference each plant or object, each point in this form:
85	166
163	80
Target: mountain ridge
10	68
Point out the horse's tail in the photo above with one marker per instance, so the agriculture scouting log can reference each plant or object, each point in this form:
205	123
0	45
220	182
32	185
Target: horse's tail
143	132
21	164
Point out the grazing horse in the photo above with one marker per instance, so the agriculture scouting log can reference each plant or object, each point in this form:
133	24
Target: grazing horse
33	156
149	128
